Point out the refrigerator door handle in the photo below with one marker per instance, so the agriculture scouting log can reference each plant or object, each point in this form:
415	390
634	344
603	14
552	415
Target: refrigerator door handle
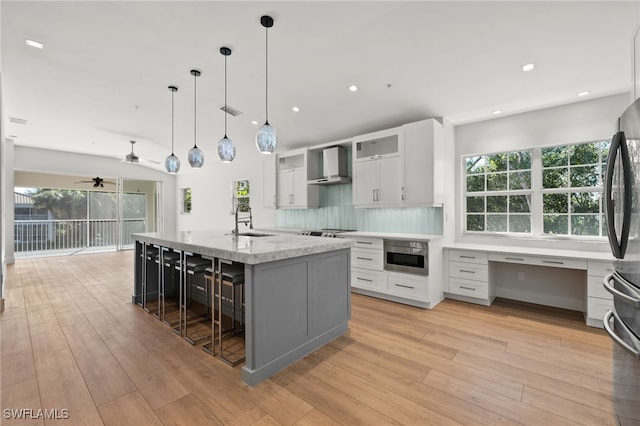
618	144
608	285
606	321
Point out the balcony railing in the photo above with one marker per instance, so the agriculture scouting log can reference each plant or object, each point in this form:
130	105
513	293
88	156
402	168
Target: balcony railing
43	237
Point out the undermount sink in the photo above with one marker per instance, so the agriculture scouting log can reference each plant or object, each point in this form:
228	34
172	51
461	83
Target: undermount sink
252	234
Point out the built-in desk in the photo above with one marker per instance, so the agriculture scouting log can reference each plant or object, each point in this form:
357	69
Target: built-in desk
478	274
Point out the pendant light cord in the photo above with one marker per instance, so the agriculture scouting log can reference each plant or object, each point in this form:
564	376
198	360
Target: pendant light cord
195	111
172	93
266	74
225	96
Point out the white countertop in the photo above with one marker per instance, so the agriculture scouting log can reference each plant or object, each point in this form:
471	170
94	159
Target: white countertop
391	235
245	249
536	251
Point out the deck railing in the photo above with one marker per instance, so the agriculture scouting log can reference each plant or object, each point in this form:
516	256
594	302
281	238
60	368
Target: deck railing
36	237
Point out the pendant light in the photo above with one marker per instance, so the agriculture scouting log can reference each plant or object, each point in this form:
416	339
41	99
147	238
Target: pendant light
195	157
266	139
131	157
226	148
172	163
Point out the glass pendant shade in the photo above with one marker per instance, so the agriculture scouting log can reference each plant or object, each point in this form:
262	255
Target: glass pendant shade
195	157
266	139
172	164
226	150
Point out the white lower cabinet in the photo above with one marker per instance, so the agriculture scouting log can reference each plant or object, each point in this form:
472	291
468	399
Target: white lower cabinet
369	277
598	300
468	277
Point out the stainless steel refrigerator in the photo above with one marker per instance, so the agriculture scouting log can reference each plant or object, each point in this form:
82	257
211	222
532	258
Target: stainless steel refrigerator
622	209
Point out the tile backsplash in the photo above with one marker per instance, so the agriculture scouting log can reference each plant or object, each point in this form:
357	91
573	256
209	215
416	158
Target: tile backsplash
336	211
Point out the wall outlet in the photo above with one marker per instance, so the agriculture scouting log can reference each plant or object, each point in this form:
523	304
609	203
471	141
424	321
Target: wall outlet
520	276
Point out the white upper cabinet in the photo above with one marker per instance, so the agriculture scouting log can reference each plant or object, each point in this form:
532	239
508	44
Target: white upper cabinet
292	189
269	163
399	167
423	163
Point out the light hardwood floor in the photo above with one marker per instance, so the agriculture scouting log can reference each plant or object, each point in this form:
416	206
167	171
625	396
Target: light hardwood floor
71	339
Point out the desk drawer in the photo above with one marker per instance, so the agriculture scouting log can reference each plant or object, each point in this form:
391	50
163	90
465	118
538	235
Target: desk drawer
597	307
366	258
599	269
513	258
469	288
368	279
560	262
406	285
369	243
468	271
596	289
468	256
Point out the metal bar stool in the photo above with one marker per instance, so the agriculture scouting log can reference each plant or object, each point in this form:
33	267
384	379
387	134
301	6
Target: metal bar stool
150	278
168	294
195	298
229	292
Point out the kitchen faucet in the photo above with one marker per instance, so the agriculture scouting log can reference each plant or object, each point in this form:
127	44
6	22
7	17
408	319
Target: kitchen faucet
243	220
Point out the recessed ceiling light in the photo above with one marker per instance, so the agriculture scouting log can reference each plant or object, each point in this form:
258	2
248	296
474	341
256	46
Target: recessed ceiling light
583	93
527	67
498	111
254	122
296	109
353	88
33	43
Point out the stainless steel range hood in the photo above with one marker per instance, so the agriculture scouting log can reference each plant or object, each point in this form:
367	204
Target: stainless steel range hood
334	163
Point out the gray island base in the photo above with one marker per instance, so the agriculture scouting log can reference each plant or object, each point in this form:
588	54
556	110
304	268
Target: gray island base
297	291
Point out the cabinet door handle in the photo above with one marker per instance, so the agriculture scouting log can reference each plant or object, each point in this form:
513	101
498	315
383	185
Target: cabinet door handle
467	271
364	279
364	242
462	256
200	288
554	262
402	285
363	258
274	199
290	198
402	193
467	288
373	195
377	194
514	258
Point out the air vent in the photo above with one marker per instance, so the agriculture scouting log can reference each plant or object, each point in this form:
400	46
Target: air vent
231	110
17	120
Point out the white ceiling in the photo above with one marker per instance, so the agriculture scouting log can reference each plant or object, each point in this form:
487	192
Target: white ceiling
102	76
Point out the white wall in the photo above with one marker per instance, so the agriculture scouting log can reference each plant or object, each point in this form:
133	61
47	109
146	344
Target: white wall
211	190
3	205
578	122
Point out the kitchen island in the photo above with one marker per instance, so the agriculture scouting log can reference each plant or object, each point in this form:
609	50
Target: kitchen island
297	290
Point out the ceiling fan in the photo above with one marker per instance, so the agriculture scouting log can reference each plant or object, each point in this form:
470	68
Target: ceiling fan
132	158
97	181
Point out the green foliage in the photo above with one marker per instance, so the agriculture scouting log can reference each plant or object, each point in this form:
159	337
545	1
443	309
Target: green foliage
63	203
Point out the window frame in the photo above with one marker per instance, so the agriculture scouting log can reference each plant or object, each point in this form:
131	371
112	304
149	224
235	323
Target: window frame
537	193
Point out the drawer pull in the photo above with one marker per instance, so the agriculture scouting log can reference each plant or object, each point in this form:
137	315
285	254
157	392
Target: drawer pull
402	285
514	258
467	288
364	242
467	257
467	271
364	279
555	262
200	288
363	258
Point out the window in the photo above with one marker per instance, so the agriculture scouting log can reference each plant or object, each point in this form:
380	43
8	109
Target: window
240	194
498	192
572	180
555	190
186	200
